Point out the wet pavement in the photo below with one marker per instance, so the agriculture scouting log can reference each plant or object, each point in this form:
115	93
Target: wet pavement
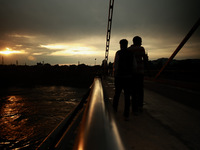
166	123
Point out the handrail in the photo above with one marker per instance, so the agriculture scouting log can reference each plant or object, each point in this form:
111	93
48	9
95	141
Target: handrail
98	130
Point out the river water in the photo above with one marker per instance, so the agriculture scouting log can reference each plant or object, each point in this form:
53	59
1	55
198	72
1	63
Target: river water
28	115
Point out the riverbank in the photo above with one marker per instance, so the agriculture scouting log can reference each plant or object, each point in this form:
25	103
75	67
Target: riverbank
25	76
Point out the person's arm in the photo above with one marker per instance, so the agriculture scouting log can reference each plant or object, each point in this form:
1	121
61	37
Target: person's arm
145	56
116	61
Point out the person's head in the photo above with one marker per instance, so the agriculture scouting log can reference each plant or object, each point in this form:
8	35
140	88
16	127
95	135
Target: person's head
123	43
137	41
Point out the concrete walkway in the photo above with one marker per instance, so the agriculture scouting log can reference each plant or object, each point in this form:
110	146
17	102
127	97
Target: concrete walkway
164	125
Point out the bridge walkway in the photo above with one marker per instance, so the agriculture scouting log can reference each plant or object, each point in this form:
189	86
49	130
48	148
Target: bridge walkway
165	124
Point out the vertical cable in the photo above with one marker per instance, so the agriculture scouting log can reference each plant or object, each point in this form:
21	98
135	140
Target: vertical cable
110	14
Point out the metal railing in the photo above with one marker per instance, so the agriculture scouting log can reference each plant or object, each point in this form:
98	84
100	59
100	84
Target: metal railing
98	129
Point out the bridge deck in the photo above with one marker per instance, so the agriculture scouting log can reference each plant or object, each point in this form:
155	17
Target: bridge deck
165	124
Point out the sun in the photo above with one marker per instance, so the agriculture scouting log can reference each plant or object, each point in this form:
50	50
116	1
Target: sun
9	51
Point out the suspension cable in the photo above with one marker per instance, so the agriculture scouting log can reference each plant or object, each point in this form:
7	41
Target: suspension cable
110	14
194	28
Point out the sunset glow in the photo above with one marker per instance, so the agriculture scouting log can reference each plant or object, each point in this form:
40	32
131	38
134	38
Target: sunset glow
54	46
70	49
74	52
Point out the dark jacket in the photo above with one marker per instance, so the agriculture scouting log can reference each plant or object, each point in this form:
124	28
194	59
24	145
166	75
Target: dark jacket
123	63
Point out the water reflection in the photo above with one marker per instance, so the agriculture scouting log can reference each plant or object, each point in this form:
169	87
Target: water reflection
27	116
13	124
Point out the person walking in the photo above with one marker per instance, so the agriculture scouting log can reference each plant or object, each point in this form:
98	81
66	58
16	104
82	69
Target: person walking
123	75
140	58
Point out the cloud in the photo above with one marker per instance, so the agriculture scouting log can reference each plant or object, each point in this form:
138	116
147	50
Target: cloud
31	58
36	54
53	17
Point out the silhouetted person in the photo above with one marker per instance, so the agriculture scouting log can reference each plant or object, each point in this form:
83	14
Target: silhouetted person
138	77
123	74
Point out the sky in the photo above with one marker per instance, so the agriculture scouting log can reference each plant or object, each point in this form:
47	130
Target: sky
74	31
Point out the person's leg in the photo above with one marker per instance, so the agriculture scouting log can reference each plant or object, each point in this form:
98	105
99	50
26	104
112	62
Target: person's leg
127	91
140	92
127	102
118	89
134	94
